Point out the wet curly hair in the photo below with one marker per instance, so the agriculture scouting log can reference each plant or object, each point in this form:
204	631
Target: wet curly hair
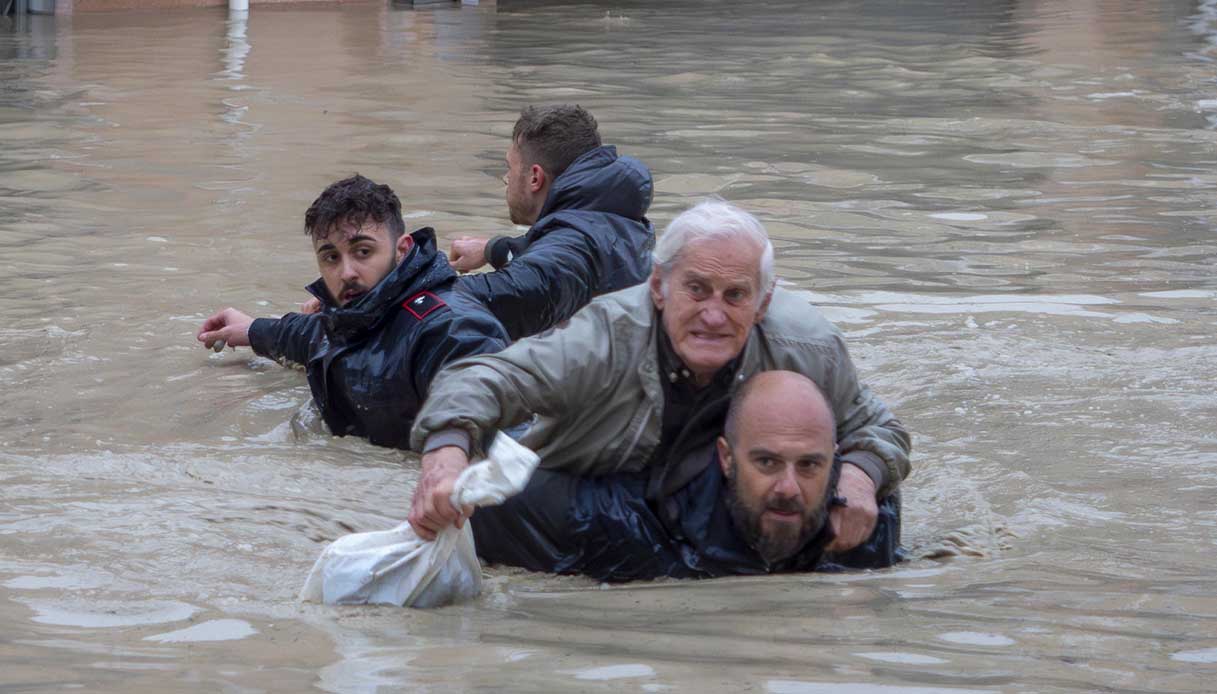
354	201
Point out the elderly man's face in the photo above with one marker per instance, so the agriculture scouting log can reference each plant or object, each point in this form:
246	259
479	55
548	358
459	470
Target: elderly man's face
710	299
778	471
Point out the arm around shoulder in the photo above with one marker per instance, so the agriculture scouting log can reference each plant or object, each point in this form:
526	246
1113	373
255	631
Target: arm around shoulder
544	375
868	434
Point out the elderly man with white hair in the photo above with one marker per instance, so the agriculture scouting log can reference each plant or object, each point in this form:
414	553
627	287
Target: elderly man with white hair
614	389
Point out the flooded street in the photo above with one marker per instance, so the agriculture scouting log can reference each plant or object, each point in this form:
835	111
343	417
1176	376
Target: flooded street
1009	207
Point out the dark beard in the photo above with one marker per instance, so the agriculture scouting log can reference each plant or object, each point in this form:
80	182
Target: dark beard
781	546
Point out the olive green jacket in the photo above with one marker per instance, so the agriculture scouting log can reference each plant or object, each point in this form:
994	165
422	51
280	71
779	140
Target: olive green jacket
594	389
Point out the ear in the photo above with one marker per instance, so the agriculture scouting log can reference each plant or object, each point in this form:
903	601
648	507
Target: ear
724	455
537	178
656	284
404	244
760	313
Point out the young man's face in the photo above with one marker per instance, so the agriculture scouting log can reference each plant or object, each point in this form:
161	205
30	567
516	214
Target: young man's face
778	472
353	260
522	206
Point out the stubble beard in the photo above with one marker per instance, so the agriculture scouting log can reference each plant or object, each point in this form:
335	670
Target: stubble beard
517	216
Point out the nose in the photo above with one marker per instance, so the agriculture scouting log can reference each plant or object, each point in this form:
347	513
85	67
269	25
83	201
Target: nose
712	315
787	485
349	271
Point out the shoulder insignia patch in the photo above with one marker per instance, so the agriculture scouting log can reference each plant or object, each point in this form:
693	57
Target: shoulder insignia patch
422	304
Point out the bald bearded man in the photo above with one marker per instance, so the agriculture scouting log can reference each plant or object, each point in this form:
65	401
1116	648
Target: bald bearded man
754	500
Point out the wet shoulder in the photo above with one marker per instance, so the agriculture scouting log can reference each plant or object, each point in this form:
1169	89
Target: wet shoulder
628	308
425	304
444	303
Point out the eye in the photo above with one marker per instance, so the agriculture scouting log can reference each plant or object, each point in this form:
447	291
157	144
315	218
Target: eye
697	289
808	465
329	258
363	251
766	463
736	295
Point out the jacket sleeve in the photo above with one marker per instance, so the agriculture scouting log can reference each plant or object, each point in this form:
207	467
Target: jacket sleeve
868	434
500	250
546	375
288	339
542	287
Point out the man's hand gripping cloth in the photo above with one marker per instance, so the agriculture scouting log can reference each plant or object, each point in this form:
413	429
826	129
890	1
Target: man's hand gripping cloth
395	567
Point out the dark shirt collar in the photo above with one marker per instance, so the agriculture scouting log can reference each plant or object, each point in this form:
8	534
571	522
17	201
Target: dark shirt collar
674	372
692	414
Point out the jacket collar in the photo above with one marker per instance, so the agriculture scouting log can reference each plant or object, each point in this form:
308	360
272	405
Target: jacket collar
423	268
750	361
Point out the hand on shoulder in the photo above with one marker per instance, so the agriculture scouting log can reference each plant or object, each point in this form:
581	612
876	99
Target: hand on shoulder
854	522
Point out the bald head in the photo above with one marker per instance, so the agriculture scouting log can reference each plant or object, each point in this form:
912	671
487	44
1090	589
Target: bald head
784	399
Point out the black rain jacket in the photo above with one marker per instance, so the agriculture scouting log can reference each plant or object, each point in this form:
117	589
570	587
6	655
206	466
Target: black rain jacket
591	238
371	362
670	520
605	528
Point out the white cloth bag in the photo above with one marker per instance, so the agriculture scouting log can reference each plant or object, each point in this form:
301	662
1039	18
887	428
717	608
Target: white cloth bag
396	567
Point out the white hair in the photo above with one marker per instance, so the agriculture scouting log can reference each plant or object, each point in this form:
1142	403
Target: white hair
714	218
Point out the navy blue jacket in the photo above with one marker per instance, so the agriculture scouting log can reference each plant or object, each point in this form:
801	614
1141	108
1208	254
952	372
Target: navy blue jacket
371	362
591	238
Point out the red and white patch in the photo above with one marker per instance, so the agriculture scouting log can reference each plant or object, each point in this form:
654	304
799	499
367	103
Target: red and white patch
422	304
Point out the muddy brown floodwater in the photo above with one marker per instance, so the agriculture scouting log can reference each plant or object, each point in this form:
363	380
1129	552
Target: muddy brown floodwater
1010	208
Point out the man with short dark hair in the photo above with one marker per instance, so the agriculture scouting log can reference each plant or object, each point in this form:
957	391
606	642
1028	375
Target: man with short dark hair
391	316
586	207
757	502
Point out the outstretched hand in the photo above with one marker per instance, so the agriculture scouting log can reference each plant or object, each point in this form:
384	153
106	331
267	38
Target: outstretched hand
853	523
431	509
228	327
468	253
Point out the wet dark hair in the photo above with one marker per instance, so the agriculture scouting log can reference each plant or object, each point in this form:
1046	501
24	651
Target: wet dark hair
555	135
354	201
